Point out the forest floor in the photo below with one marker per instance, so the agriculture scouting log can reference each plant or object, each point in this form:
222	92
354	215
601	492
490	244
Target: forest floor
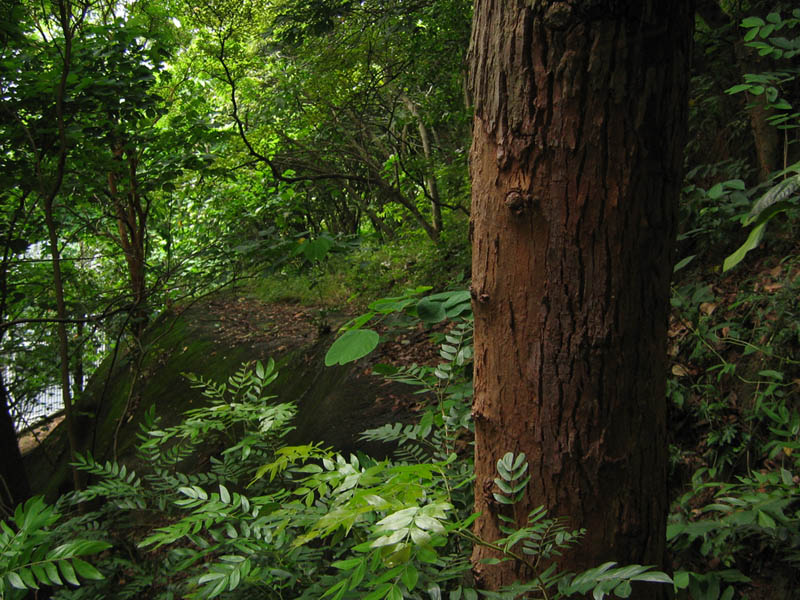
287	326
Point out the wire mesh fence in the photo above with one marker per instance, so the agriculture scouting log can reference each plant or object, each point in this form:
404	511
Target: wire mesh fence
48	402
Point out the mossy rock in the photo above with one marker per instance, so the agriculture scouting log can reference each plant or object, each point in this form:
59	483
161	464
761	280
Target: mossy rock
212	340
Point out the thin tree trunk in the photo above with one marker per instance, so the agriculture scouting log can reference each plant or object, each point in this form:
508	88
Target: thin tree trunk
131	219
430	176
580	119
77	367
65	20
63	342
766	137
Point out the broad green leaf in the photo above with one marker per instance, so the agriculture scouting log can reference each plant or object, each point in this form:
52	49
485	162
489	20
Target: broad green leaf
752	242
338	589
348	564
401	518
420	537
682	263
318	248
766	31
86	570
772	374
358	575
187	491
28	578
41	574
388	540
235	578
15	580
428	523
766	521
352	345
681	580
431	311
623	590
653	577
738	88
68	572
52	573
753	22
434	591
380	592
786	477
211	576
410	577
457	297
728	593
716	191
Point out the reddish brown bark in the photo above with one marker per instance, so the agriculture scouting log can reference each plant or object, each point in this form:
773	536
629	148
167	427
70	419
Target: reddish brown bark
580	118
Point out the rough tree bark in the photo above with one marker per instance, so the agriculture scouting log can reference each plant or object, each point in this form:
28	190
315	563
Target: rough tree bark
580	119
14	487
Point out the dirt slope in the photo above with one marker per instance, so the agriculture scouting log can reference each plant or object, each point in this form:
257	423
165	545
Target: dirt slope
212	339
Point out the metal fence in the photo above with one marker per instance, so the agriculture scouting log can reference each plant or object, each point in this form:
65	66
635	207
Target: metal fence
48	402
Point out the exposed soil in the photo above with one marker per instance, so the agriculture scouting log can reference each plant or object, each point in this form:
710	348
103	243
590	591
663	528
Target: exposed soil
31	438
361	400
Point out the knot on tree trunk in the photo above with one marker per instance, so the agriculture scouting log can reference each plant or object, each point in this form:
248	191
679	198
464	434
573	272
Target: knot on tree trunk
518	202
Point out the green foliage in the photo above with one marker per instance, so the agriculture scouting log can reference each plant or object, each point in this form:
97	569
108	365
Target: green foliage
737	361
756	514
606	580
763	36
712	215
775	88
306	522
285	138
781	197
512	481
357	342
31	555
446	426
714	585
351	345
734	373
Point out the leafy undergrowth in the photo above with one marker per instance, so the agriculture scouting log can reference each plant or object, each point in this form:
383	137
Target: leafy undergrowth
268	519
735	430
734	530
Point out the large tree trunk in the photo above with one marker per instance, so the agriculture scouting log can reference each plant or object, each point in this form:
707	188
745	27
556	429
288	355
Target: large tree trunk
580	119
14	487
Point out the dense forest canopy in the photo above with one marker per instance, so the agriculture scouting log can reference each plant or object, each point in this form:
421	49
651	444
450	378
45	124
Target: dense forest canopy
174	141
156	152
